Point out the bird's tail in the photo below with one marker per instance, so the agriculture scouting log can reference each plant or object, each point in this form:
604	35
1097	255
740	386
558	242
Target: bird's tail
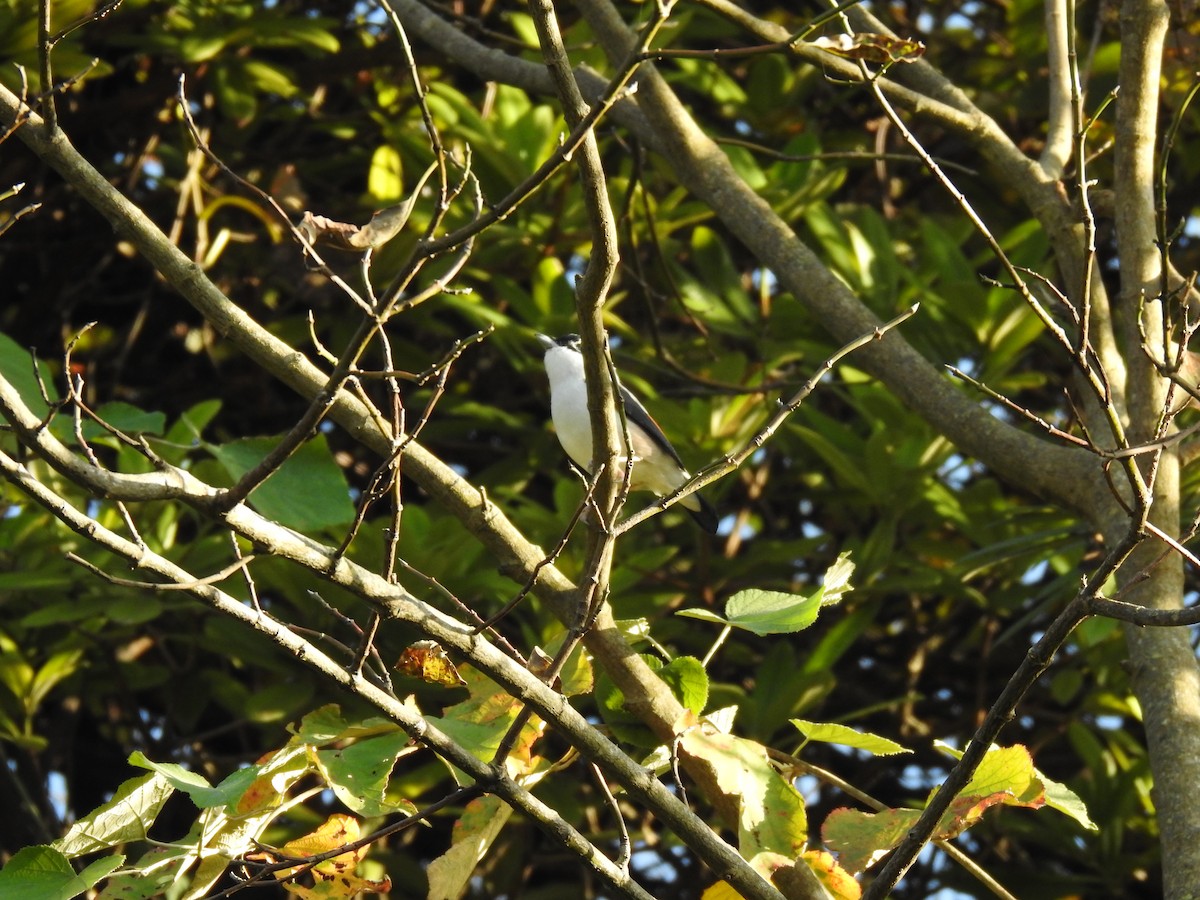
702	511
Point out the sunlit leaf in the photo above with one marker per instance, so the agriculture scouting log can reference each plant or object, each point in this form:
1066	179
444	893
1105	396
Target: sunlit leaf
474	833
878	48
860	839
764	612
42	873
836	583
125	418
126	817
385	179
836	880
196	786
688	681
1011	770
359	772
17	367
771	812
831	733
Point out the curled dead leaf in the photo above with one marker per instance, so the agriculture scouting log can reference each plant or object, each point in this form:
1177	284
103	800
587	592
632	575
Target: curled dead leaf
876	48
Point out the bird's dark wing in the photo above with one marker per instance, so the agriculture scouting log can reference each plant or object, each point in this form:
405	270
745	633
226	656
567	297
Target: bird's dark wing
636	414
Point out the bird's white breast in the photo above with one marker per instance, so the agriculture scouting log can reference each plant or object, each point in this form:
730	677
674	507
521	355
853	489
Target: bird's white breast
655	468
568	404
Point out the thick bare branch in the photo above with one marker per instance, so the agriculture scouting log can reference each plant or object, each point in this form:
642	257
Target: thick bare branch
492	779
388	596
515	555
1063	72
1165	674
1063	473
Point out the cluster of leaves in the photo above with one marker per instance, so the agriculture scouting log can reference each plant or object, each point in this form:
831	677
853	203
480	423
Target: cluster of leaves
354	760
954	570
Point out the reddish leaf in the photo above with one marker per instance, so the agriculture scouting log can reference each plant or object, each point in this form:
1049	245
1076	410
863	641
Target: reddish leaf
428	661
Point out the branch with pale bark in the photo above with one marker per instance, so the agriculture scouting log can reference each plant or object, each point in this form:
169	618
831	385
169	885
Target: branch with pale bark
392	600
1071	475
1128	395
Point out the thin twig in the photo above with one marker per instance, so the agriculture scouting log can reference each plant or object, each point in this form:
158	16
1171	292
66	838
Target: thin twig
976	871
545	561
733	461
297	235
45	46
215	578
625	849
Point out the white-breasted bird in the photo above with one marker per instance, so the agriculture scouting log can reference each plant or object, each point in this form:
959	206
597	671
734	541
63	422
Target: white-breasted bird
656	465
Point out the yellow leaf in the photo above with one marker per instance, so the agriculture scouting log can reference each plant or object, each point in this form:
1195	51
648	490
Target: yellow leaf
834	878
384	182
338	830
720	891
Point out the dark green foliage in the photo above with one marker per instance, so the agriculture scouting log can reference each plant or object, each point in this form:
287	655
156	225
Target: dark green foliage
955	570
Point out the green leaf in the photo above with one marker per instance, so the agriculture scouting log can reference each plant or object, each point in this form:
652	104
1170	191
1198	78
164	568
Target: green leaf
746	166
846	466
73	610
59	666
686	678
100	869
32	581
201	47
764	612
688	681
233	94
192	423
704	615
278	702
474	833
1066	801
126	817
176	774
1007	770
782	688
16	365
480	739
42	873
196	786
308	492
16	674
831	733
152	874
125	418
359	773
480	722
839	638
322	726
314	33
134	610
269	79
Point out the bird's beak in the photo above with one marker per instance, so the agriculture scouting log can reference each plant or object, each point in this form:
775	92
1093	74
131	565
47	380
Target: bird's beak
545	340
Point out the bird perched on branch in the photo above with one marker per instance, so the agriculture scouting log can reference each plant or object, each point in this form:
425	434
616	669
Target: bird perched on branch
656	465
